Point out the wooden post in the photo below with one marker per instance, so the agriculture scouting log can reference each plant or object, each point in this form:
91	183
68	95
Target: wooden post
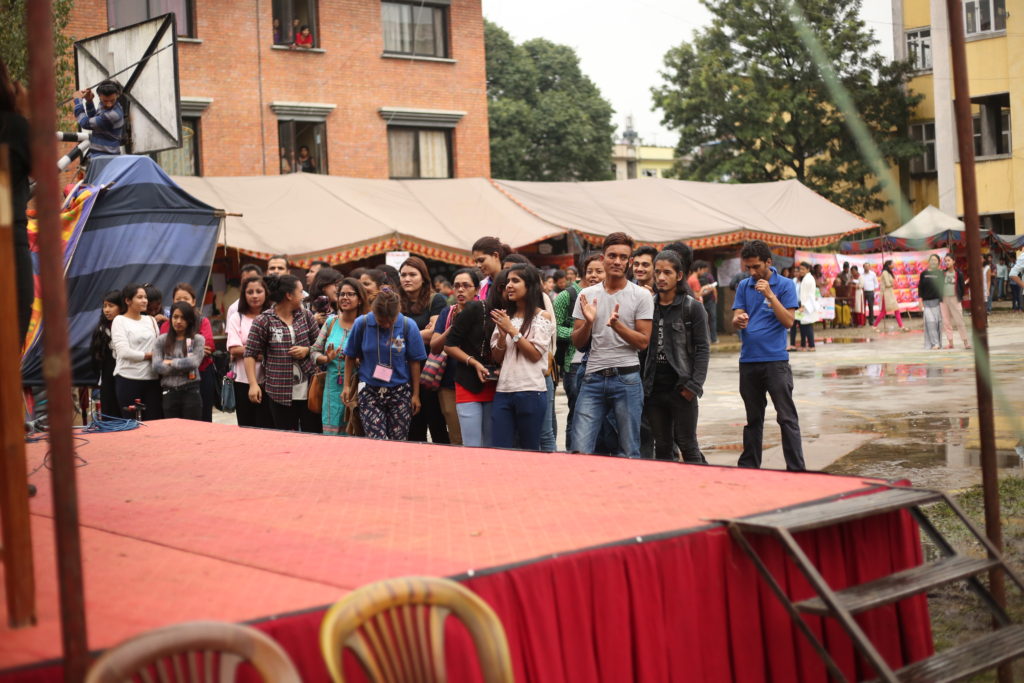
19	574
56	359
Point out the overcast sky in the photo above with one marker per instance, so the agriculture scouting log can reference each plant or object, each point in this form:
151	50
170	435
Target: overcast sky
621	45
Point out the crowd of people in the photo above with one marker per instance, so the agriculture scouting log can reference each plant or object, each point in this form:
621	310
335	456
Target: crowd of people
392	354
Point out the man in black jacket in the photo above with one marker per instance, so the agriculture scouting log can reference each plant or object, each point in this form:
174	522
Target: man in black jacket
677	362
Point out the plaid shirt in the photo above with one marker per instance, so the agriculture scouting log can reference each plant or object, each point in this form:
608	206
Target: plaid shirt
269	337
564	321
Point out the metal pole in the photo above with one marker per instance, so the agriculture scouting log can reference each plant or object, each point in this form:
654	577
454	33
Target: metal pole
56	359
979	315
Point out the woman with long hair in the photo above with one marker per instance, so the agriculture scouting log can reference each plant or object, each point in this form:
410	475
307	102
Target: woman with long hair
929	289
520	344
465	285
329	351
952	303
488	255
282	336
102	352
133	336
422	305
323	294
887	283
183	291
176	358
252	302
468	344
390	352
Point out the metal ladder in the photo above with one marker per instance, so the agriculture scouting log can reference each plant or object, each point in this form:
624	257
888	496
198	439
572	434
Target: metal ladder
1002	645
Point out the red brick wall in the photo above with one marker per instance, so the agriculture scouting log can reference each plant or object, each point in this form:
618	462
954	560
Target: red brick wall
350	73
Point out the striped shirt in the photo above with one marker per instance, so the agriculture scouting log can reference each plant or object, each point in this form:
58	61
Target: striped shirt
271	338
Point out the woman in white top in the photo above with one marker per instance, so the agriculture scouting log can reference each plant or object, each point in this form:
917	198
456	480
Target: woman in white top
807	314
133	336
520	344
251	303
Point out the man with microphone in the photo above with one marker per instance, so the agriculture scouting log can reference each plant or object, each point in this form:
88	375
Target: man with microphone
763	311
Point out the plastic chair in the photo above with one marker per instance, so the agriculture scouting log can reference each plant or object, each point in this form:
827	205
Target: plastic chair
197	651
396	630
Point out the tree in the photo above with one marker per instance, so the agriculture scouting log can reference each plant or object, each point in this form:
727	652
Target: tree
14	46
548	120
750	106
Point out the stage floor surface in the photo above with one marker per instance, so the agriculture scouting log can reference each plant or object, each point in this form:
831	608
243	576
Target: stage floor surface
188	520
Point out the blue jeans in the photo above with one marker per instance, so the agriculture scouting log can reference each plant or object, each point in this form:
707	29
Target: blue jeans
600	398
549	430
571	382
475	423
518	415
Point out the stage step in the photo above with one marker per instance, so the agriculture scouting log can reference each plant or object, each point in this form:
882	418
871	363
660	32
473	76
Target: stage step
967	659
845	510
901	585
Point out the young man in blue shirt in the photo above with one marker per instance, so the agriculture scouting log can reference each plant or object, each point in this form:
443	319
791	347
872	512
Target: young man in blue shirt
764	309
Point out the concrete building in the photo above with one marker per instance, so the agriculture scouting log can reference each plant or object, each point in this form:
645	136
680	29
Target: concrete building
641	161
995	59
389	88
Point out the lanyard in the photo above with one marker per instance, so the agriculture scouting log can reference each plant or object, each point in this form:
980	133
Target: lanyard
391	343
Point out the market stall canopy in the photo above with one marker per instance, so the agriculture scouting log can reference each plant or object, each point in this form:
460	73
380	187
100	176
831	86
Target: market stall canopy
658	211
929	223
930	229
309	216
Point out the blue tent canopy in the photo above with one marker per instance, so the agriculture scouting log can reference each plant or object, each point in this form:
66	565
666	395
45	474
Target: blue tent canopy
142	228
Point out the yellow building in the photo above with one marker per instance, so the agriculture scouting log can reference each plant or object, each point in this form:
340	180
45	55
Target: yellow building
641	161
995	61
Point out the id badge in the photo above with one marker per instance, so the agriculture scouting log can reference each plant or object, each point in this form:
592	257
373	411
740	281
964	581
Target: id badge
382	372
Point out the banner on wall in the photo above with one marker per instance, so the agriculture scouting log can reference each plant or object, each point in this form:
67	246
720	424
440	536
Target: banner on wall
828	263
906	266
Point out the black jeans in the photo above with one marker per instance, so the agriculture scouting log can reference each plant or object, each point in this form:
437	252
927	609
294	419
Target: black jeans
208	387
674	423
251	414
430	417
807	335
291	418
774	378
145	390
869	303
186	403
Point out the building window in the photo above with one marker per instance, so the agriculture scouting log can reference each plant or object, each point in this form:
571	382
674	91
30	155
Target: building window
1004	132
290	17
919	48
976	125
415	29
992	125
121	13
303	146
925	134
419	152
185	159
984	16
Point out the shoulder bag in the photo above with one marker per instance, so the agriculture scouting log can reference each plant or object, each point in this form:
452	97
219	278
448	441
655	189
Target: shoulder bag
315	395
434	367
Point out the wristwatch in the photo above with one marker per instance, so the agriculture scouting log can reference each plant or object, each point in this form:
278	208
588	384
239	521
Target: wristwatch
517	337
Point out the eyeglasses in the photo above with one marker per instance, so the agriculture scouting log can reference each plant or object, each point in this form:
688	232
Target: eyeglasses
347	295
463	285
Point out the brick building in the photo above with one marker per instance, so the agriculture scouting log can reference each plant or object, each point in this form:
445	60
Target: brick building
389	88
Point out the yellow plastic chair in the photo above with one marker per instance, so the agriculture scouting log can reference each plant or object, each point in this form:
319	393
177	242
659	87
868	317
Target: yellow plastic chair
396	630
194	651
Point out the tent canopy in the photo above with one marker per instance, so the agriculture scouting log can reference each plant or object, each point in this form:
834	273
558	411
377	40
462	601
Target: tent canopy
928	223
311	216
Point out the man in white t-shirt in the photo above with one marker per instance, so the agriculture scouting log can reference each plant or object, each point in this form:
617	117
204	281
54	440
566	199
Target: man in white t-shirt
612	324
870	283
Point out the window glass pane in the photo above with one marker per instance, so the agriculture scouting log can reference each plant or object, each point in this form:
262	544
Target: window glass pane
970	18
434	154
125	13
1006	146
286	142
999	20
289	18
397	21
401	153
986	15
185	159
413	29
121	13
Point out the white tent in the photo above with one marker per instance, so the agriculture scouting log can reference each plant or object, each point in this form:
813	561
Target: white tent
928	223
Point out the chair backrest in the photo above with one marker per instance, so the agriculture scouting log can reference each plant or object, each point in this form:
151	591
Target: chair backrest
396	630
199	651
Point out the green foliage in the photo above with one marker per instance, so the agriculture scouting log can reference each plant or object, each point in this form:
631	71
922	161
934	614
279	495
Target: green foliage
750	106
548	120
14	45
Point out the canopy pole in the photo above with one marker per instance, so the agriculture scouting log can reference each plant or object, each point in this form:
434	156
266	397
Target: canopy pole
979	314
56	359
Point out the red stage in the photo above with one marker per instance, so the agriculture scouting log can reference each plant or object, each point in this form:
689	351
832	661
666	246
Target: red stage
601	569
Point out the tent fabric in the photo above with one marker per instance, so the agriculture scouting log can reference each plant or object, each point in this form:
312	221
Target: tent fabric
142	229
929	229
308	216
311	216
928	223
658	211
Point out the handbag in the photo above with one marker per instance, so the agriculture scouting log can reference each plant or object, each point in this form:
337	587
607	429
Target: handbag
315	394
227	393
434	367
